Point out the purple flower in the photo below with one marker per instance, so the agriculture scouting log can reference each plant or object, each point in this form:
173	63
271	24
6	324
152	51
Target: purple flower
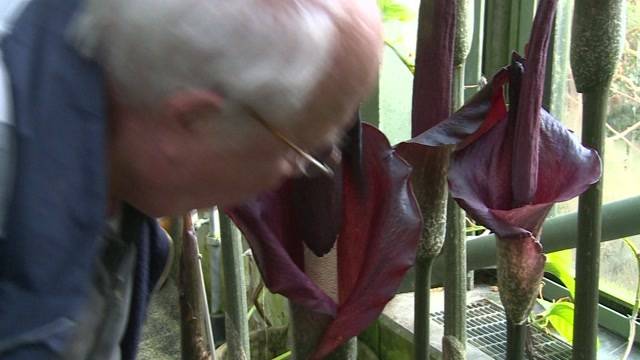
512	163
374	220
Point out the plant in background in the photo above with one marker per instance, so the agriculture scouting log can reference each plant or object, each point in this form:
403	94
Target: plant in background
431	103
558	314
509	168
636	305
363	224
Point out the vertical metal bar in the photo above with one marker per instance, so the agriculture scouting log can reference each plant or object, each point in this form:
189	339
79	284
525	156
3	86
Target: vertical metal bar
497	48
235	295
525	20
555	90
473	67
514	25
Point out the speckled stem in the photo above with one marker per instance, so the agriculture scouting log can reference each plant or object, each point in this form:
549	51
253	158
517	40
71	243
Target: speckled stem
455	285
235	298
196	339
455	282
452	349
464	31
307	328
431	105
422	303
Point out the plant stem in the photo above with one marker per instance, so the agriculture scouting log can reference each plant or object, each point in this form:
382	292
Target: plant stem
634	314
455	284
235	295
516	339
197	337
422	302
307	328
589	233
596	45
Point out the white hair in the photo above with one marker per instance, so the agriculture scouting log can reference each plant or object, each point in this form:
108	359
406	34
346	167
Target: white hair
269	54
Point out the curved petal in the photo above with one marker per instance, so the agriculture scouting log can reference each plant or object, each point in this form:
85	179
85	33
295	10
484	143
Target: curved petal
265	223
480	177
378	241
475	118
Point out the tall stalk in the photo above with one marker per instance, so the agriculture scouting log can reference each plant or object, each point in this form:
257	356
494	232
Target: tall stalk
308	327
197	335
598	28
431	105
455	285
235	295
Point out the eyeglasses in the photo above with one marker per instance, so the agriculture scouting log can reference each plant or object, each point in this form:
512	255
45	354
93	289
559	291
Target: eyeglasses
317	164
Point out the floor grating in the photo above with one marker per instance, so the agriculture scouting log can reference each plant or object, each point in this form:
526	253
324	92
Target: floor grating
486	330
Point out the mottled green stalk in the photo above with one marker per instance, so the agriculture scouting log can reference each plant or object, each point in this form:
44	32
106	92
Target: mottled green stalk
307	328
431	104
455	283
452	349
422	304
197	337
235	296
455	290
598	29
516	339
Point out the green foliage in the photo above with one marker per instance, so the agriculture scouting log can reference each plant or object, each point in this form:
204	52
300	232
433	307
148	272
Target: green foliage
557	314
283	356
559	264
636	305
394	11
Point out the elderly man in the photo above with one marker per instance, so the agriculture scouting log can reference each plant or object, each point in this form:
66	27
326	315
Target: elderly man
115	111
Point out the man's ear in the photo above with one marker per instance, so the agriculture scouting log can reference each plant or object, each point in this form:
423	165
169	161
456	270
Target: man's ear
189	107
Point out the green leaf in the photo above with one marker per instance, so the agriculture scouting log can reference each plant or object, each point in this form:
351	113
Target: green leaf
283	356
559	264
561	318
393	11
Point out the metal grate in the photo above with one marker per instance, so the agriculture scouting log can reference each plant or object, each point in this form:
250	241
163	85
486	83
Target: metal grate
486	330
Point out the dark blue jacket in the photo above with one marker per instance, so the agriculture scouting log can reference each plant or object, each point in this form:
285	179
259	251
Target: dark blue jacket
57	213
